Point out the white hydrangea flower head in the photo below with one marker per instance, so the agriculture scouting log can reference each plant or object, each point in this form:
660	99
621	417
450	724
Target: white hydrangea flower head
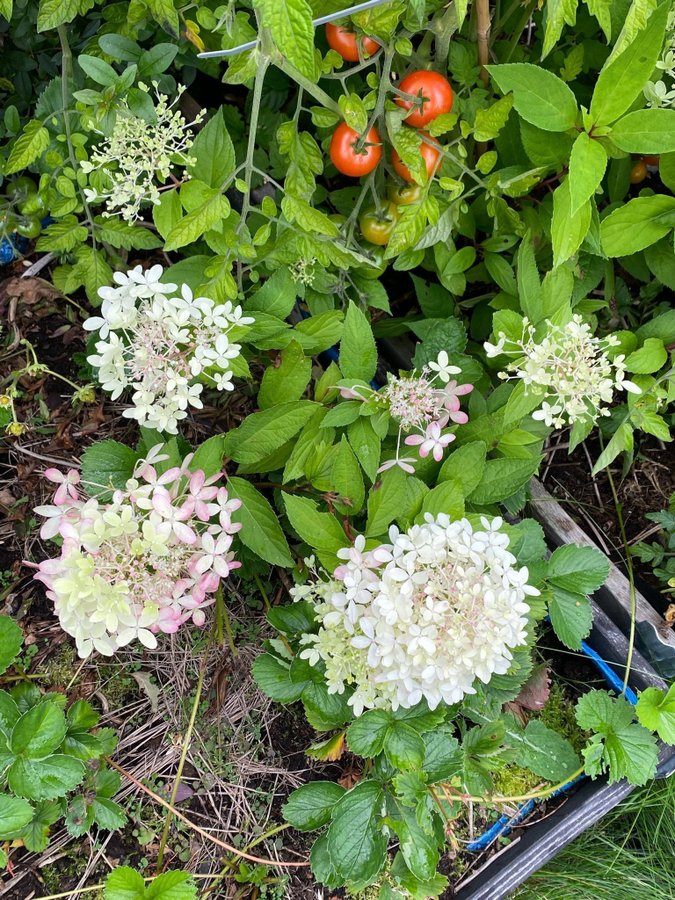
569	368
163	345
148	561
139	153
421	617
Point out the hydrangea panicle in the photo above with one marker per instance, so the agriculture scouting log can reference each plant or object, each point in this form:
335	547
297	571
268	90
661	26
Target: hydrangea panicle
420	617
146	562
162	344
569	368
423	403
139	152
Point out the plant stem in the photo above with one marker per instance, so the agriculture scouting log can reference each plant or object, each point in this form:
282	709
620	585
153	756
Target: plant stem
520	27
483	38
260	587
187	738
307	84
66	74
230	862
532	795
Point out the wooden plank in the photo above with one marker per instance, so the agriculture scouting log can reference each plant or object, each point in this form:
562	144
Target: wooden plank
614	596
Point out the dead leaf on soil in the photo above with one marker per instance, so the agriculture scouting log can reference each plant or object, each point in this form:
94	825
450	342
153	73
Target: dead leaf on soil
149	689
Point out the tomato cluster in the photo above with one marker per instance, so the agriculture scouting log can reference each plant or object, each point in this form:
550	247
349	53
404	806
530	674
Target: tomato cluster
24	209
425	95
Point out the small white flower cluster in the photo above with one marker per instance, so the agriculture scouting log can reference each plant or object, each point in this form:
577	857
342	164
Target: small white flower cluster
157	343
421	617
138	153
569	368
418	403
661	93
147	562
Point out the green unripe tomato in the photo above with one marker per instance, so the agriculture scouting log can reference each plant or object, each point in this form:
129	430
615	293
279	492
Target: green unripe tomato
377	225
29	226
7	222
21	187
34	205
379	265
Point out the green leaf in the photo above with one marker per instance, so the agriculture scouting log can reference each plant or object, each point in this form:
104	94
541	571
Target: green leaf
622	441
213	153
366	445
164	13
656	711
28	147
624	749
45	779
646	131
489	122
62	236
649	358
527	278
623	77
261	433
260	530
588	162
213	211
358	353
39	731
544	751
347	479
502	478
124	883
276	297
15	814
539	96
447	497
6	9
465	466
286	381
98	70
325	711
310	806
120	234
35	835
273	678
290	24
442	756
384	501
419	847
319	530
52	13
107	465
11	639
571	616
403	746
172	886
578	568
637	224
208	457
356	844
568	229
365	735
558	14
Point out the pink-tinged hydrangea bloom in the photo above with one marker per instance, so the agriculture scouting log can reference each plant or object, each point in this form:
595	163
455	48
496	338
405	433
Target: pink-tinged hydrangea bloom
421	404
163	345
146	562
422	617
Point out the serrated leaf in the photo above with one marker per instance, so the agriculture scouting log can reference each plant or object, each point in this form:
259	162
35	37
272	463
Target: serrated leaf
191	227
578	568
358	353
310	806
124	235
39	731
286	381
645	131
15	814
502	478
637	224
656	711
403	746
571	616
260	531
273	678
261	433
558	14
290	24
106	466
356	843
588	162
319	530
62	236
45	779
213	152
28	147
568	229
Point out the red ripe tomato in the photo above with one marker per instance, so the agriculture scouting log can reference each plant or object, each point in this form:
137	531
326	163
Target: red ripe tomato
353	154
429	154
435	96
650	160
347	44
